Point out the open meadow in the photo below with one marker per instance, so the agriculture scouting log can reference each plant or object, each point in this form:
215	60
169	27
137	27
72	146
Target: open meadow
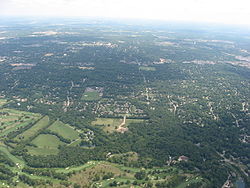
11	120
64	130
45	144
42	123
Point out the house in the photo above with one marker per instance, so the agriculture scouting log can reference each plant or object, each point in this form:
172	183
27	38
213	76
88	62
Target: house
183	158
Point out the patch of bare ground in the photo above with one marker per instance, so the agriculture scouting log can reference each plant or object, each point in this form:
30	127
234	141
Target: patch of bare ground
121	128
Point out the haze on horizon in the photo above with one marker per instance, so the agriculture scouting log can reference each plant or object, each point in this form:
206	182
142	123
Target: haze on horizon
213	11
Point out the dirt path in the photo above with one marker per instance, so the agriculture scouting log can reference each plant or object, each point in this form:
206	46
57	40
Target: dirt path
67	102
73	141
121	127
145	81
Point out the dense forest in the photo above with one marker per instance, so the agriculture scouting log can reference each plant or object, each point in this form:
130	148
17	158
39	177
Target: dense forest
142	97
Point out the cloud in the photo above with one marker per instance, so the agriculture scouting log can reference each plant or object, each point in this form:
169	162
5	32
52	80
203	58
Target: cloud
3	4
226	11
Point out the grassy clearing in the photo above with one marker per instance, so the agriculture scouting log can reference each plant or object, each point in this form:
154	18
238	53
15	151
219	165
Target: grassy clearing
125	157
46	144
123	175
11	119
47	141
109	125
35	128
18	161
86	175
42	151
91	96
144	68
14	126
64	130
3	102
100	169
79	168
10	156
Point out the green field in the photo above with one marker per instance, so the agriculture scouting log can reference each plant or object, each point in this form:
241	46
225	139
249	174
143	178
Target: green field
46	144
144	68
42	151
111	124
90	96
11	119
64	130
35	128
122	174
2	102
10	156
89	164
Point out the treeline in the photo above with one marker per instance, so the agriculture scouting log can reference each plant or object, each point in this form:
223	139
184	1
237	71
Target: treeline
5	160
67	156
45	172
14	134
173	182
6	173
34	182
65	140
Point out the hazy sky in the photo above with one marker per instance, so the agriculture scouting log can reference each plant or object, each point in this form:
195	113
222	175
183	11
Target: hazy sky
222	11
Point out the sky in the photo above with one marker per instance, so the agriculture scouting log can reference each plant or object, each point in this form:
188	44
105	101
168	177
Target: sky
214	11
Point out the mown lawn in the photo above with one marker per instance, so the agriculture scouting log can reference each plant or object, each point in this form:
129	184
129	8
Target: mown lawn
11	119
10	156
64	130
35	128
46	144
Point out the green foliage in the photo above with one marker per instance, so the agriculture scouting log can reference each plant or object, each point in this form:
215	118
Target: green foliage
67	156
6	173
63	130
173	182
33	131
45	172
140	175
5	160
33	182
62	139
108	176
90	96
189	86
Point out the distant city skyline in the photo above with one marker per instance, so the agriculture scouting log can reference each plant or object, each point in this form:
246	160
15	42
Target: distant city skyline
213	11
